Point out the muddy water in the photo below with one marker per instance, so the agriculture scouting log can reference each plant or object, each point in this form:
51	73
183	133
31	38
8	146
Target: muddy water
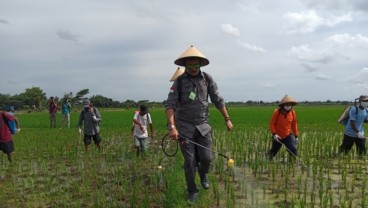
246	190
335	185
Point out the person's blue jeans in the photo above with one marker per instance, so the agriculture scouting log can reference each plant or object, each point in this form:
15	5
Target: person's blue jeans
141	144
289	143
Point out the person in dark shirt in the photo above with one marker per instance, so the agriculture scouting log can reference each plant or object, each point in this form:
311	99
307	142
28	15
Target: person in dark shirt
52	106
188	100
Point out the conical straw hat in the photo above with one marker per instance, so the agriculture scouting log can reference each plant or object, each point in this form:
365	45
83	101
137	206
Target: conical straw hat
177	73
287	99
191	52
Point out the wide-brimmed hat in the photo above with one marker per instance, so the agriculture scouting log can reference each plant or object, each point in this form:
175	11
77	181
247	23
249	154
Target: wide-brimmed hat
177	73
191	52
363	98
86	102
287	99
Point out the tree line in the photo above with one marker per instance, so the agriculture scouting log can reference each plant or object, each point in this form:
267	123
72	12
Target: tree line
34	98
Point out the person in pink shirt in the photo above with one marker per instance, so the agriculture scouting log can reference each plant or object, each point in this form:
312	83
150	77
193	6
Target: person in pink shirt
6	140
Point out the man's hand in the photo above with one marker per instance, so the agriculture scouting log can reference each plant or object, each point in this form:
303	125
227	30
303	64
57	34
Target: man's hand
173	134
229	125
360	135
276	137
141	127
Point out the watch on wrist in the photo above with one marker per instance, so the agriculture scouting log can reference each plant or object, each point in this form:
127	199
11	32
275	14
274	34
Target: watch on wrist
169	127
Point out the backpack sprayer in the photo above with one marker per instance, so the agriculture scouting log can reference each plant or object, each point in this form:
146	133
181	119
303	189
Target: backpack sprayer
344	118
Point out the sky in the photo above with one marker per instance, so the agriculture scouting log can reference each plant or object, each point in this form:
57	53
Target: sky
259	50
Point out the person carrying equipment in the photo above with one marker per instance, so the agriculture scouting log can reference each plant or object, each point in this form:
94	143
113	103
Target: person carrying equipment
284	128
188	100
354	129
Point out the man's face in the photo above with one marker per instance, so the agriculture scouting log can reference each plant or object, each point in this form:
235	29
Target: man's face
192	67
364	103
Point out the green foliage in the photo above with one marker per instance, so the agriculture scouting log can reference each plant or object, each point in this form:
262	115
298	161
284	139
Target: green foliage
81	94
34	96
50	168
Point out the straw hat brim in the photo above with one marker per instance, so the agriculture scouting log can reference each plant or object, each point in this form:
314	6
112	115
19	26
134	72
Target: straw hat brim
191	52
287	99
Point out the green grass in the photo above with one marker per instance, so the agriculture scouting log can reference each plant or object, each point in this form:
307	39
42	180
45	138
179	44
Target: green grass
50	168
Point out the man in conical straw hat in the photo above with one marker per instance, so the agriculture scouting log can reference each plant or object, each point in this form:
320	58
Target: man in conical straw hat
284	127
188	99
177	73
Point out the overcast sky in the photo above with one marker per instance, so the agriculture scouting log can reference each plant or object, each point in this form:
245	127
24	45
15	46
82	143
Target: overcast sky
258	49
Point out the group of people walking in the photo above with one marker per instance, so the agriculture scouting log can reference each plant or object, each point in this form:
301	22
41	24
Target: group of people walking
187	113
188	119
89	119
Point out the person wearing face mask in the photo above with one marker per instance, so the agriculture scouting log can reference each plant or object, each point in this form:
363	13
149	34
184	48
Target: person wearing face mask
284	127
354	129
187	117
90	117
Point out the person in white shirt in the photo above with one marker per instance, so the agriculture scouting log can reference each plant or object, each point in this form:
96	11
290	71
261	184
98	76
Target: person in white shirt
142	119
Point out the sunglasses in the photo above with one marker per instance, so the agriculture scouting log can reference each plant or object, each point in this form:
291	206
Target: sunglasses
191	66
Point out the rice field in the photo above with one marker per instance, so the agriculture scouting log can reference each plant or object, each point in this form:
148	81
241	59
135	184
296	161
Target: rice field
51	169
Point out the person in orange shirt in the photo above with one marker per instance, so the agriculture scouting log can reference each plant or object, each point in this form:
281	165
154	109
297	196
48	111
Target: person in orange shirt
284	127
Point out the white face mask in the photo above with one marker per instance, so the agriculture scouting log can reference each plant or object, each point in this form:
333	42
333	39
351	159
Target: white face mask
364	104
287	107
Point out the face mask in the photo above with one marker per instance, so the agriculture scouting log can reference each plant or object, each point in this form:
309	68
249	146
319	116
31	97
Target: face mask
287	107
192	72
364	104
